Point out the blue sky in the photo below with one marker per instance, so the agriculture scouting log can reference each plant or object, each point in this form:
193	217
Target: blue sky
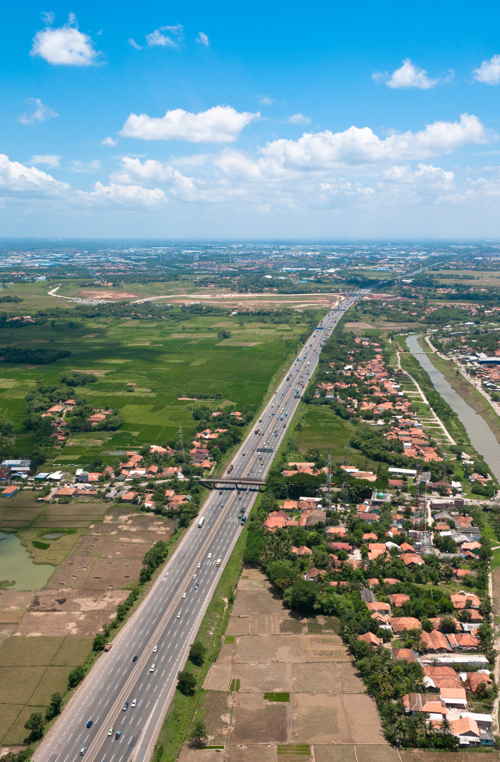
258	120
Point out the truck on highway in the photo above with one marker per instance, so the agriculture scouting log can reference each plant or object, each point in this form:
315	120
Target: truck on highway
200	522
218	562
230	468
243	519
107	647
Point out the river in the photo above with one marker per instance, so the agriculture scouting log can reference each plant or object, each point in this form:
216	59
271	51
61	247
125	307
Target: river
481	436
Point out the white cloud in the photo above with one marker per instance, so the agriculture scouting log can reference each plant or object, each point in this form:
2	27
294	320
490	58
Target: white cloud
65	45
18	178
220	124
86	166
51	160
266	101
361	146
408	75
298	119
108	142
125	195
40	114
489	71
134	44
425	175
173	40
203	39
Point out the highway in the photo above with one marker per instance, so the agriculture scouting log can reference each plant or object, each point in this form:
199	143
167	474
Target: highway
141	668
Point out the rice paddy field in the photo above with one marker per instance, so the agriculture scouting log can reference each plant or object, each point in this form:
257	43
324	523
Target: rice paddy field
143	367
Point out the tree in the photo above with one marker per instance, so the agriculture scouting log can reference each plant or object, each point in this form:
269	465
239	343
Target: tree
76	676
197	653
301	596
186	682
99	643
54	708
35	725
199	734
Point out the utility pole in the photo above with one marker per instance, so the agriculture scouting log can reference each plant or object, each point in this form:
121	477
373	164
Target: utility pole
443	455
329	480
181	444
345	491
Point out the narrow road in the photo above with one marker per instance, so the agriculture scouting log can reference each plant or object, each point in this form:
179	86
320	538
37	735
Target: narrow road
130	688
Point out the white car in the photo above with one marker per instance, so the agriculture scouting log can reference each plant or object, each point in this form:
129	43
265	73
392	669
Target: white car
179	615
134	703
199	566
185	594
155	649
152	668
210	555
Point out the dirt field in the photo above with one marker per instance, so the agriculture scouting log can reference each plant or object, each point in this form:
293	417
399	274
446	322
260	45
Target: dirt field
45	633
329	715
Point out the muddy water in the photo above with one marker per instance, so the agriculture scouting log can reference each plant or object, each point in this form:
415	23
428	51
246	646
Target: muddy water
480	434
16	564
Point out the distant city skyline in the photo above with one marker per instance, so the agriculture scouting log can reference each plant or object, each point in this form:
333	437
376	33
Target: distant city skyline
198	122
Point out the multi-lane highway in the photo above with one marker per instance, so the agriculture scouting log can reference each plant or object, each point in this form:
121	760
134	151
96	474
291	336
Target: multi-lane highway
130	688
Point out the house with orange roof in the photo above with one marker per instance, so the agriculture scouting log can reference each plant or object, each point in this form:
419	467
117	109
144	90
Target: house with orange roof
435	641
467	730
402	623
454	697
371	639
397	599
465	601
378	606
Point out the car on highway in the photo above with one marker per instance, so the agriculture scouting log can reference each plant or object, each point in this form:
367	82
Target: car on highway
199	566
209	555
118	735
90	723
151	669
135	658
185	594
125	707
196	586
134	703
194	576
82	751
111	730
155	649
179	615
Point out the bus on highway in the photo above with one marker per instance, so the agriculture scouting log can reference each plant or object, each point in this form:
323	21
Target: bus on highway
200	522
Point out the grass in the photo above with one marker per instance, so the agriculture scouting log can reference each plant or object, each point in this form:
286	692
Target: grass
163	361
183	708
229	640
277	697
235	685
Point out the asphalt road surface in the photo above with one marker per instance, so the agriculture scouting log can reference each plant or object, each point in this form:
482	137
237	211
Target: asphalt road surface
159	634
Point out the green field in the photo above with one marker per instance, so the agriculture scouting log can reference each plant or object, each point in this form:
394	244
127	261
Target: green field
164	359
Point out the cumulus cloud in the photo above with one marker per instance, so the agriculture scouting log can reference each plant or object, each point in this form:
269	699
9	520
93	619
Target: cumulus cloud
40	114
266	101
125	195
408	75
361	146
16	177
220	124
65	45
489	71
134	44
426	174
203	39
50	159
171	40
108	142
298	119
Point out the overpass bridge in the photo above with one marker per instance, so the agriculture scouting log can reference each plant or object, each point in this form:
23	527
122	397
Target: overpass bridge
242	481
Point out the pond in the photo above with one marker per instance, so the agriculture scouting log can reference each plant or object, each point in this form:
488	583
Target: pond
16	564
481	436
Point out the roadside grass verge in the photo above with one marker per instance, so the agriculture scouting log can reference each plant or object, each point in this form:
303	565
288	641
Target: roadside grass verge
182	710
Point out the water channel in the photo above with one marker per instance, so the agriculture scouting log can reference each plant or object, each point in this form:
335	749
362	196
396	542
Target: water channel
481	436
16	564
